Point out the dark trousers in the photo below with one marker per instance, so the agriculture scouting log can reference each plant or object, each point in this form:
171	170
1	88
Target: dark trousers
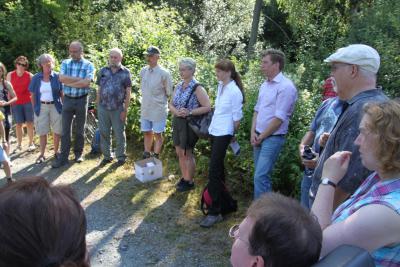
7	126
78	108
216	172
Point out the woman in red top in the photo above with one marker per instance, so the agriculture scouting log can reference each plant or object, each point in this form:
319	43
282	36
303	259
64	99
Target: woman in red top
22	109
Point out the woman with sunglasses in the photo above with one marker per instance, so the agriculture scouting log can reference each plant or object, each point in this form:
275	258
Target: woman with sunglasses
22	109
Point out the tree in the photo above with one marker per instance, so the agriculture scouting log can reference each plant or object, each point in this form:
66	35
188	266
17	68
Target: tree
254	27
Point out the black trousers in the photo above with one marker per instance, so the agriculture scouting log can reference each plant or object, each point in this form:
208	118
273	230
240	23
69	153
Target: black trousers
216	171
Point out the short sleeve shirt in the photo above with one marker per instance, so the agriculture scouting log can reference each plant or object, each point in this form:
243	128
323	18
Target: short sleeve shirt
325	119
156	86
83	69
113	86
342	138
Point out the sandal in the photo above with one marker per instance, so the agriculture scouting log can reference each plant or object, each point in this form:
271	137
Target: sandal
40	159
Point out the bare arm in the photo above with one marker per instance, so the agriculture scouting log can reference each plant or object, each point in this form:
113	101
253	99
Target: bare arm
126	103
11	94
171	106
205	105
307	140
8	77
82	83
371	227
253	134
2	132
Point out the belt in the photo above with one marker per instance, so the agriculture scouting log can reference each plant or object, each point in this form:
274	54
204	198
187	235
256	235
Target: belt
257	132
47	102
75	97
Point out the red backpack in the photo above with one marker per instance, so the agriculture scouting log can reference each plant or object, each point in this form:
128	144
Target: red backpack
228	204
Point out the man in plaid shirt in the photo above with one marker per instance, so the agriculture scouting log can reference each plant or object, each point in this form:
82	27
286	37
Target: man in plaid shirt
76	74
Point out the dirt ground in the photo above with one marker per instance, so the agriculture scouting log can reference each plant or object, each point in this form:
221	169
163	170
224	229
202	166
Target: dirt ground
132	223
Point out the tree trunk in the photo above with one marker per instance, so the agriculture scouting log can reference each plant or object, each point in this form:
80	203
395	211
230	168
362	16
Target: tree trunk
254	27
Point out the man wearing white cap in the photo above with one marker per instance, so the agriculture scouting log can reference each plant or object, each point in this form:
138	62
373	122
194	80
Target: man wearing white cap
354	70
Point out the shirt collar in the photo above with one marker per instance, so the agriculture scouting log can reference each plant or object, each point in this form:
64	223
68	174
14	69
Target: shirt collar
367	93
278	78
52	74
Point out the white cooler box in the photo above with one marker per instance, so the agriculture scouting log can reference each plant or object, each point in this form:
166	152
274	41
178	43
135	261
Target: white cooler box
148	169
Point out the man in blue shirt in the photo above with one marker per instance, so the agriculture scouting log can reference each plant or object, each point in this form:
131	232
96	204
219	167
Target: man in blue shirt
76	74
113	98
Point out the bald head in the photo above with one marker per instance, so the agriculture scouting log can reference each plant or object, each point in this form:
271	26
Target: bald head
76	50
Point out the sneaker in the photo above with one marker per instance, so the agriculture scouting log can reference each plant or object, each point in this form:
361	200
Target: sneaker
120	162
146	155
79	159
210	220
59	163
17	149
184	185
31	148
10	180
106	161
156	155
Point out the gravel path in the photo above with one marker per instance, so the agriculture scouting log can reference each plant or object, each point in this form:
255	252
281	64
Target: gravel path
135	224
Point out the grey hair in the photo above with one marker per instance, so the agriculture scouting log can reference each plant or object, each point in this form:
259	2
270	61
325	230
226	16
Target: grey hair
77	43
116	50
44	57
189	63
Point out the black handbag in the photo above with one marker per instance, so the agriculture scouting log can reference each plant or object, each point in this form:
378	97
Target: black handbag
199	123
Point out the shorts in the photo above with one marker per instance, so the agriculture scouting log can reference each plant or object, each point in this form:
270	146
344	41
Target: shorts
3	155
148	126
22	113
182	135
48	117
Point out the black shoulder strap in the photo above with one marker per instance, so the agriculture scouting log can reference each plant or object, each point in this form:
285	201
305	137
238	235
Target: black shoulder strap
191	93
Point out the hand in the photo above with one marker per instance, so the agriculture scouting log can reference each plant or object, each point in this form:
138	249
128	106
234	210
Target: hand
323	138
253	138
3	103
310	163
233	139
123	115
259	139
335	167
5	146
183	112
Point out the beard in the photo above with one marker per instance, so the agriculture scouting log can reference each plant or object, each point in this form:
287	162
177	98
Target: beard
114	65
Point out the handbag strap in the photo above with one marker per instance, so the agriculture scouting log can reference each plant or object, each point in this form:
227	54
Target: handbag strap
191	93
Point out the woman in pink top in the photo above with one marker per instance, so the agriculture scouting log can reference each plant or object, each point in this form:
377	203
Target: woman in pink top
22	109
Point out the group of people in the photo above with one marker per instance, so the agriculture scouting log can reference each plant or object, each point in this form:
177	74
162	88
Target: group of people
351	186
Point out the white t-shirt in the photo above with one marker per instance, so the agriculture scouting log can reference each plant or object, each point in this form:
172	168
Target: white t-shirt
228	108
46	93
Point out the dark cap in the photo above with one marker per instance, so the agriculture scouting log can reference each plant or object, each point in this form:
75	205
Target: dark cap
152	50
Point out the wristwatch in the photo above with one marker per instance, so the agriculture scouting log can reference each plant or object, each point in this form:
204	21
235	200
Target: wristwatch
190	113
326	181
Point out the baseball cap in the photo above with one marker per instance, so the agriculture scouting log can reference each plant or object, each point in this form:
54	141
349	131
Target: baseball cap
358	54
152	50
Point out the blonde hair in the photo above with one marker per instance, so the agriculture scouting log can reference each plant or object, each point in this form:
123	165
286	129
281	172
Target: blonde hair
384	120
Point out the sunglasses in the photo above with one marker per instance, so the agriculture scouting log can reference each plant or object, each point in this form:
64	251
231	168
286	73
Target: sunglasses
21	64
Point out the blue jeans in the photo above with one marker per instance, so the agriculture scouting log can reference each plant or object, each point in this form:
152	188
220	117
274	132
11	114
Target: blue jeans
265	157
305	188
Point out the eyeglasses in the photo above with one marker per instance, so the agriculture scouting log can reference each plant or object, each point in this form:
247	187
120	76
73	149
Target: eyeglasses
234	233
336	66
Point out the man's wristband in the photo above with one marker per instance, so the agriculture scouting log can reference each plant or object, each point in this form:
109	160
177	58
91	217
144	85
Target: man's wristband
327	181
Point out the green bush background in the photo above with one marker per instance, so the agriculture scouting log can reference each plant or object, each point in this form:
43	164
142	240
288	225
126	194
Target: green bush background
307	31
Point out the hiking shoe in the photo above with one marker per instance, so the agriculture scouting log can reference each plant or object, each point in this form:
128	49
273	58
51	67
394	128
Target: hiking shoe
10	180
184	185
210	220
59	163
156	155
146	155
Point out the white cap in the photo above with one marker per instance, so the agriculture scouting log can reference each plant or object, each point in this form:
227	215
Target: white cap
358	54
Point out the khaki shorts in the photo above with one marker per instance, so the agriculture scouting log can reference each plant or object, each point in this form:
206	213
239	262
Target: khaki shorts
48	117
